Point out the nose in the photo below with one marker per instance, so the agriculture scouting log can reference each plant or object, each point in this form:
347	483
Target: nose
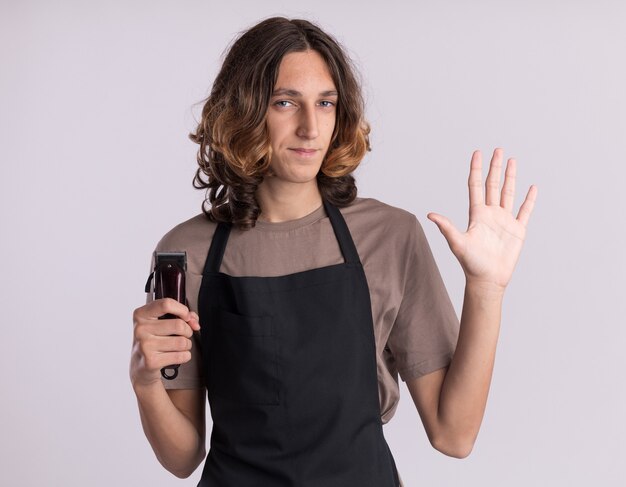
307	124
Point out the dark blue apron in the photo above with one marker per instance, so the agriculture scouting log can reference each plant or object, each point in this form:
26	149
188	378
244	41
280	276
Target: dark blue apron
290	369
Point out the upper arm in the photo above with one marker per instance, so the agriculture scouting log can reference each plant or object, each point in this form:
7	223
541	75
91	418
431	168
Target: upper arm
192	403
425	391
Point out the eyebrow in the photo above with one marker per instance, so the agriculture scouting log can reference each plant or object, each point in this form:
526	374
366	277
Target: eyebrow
290	92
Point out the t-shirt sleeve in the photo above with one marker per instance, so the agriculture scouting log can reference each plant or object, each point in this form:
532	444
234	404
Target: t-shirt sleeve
424	334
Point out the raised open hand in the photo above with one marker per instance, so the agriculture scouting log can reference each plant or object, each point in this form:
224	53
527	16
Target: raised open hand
490	248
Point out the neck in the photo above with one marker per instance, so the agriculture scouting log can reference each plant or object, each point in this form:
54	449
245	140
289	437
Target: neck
282	201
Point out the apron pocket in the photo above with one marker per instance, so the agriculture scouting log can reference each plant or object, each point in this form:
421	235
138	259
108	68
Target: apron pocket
243	356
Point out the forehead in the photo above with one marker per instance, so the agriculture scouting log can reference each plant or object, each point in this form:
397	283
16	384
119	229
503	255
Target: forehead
304	70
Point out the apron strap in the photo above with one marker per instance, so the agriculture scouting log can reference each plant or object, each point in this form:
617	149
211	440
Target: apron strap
216	251
348	249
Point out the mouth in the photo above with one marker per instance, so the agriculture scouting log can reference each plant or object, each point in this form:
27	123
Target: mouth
304	152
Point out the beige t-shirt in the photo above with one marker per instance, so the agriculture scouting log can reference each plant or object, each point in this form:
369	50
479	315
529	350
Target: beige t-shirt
415	325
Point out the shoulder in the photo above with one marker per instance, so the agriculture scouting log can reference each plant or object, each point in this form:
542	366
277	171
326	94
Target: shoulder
370	214
193	237
185	234
385	235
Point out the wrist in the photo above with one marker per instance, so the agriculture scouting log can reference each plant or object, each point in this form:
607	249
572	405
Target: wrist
486	289
146	386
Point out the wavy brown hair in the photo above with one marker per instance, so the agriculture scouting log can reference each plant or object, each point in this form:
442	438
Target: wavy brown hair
234	153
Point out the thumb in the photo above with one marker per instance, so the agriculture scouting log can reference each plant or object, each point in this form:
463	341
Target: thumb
451	234
194	321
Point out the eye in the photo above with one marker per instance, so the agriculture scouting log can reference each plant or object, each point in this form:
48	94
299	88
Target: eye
283	103
327	104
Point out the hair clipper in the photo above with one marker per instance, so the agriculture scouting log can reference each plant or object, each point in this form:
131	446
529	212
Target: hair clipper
169	282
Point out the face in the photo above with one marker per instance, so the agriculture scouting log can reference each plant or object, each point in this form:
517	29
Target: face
301	117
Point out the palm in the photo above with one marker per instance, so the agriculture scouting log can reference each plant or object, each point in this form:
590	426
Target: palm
490	247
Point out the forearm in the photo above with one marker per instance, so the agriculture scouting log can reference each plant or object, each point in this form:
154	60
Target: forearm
176	442
465	389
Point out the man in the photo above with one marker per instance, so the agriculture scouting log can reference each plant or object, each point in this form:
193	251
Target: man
310	300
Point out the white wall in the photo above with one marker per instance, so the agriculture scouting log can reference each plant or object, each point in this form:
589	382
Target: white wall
97	99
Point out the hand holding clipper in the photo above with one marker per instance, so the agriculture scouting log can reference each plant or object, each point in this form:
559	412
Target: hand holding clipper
169	282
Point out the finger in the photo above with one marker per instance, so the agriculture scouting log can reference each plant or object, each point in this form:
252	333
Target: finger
165	328
153	345
508	189
492	184
475	180
157	361
172	344
527	206
163	306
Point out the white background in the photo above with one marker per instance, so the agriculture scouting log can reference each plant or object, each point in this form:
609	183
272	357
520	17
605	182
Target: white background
97	99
